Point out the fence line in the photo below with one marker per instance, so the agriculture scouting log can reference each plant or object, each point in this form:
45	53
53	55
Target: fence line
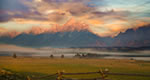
128	74
60	75
108	73
81	73
98	78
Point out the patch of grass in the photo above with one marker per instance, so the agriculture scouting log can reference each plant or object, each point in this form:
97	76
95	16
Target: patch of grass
44	66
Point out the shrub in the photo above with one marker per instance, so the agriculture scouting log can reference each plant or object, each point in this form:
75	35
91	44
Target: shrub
51	56
62	56
14	55
77	55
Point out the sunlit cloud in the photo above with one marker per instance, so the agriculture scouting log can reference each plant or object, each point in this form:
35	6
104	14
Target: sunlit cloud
106	18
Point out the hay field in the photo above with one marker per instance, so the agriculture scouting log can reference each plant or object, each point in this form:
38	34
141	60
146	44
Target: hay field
44	66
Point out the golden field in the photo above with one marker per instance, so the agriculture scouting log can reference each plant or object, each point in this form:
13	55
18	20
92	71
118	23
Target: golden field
43	66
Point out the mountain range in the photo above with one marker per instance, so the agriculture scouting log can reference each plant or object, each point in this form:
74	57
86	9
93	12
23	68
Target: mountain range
81	38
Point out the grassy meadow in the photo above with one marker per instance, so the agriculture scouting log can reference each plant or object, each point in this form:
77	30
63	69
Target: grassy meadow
44	66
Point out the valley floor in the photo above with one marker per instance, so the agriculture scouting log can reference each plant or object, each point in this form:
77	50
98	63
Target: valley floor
44	66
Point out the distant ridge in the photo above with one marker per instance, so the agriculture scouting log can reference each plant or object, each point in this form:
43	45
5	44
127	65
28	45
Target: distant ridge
82	38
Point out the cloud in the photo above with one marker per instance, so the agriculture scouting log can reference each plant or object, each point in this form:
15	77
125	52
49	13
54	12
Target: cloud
11	9
66	1
2	30
105	30
6	32
70	25
13	5
95	22
4	16
103	17
78	9
58	17
114	27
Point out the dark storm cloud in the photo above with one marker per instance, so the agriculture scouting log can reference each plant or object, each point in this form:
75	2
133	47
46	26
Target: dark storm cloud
62	1
10	9
113	13
32	15
75	7
13	5
4	16
78	9
18	9
98	2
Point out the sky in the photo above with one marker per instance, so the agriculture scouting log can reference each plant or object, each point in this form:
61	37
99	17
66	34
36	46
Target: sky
106	18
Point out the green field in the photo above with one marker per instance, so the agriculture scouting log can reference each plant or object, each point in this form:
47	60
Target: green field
44	66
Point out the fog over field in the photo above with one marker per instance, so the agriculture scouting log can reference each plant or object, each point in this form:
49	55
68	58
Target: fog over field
9	50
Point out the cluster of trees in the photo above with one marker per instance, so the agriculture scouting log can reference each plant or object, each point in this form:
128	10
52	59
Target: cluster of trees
80	55
88	55
52	56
